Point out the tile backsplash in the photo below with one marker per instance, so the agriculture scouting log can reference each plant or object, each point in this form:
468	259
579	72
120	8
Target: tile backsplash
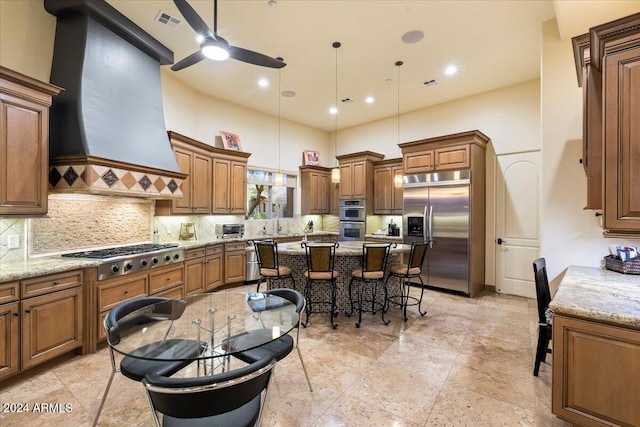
12	227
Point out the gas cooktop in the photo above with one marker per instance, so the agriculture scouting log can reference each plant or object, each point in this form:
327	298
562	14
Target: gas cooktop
121	260
121	251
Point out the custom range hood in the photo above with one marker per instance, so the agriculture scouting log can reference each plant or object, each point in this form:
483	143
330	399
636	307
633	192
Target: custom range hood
107	132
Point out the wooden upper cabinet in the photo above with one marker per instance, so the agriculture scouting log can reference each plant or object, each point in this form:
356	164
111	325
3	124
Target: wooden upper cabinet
24	143
420	161
356	176
216	181
615	53
590	80
388	197
315	190
456	157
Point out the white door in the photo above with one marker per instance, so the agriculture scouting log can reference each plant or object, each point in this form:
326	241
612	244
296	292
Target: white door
517	245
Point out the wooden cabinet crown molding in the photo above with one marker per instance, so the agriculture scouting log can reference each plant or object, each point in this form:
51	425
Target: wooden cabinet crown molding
612	35
215	151
581	55
361	155
39	92
471	137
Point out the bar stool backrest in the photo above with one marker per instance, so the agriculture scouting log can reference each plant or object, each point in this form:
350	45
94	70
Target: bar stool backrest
320	256
375	256
542	288
266	253
417	255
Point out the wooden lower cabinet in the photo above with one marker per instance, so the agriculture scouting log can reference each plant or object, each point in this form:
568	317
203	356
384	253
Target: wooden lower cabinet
9	339
51	325
194	271
235	262
168	280
214	267
596	372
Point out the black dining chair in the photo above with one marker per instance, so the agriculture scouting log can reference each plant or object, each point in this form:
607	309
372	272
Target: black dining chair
269	264
232	398
279	348
545	319
320	271
404	273
134	367
368	279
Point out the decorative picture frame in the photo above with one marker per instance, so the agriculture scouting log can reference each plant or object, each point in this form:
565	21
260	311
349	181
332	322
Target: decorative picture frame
311	158
230	141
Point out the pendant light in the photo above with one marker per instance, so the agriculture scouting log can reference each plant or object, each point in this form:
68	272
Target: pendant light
335	172
397	179
279	178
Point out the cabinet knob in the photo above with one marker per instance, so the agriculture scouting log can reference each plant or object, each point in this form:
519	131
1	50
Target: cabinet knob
580	161
56	283
16	314
28	310
126	292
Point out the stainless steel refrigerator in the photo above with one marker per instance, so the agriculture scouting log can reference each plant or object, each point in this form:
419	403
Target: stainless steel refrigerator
436	209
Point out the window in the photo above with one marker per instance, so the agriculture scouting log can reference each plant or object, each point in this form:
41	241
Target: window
265	200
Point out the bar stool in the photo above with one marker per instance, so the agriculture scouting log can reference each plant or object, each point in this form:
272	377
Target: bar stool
320	271
374	263
406	272
270	268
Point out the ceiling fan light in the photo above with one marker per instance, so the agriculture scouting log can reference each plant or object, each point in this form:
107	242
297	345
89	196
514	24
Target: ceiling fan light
215	50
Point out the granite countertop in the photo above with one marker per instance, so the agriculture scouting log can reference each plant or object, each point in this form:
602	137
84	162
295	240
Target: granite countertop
344	249
193	244
397	239
17	270
600	295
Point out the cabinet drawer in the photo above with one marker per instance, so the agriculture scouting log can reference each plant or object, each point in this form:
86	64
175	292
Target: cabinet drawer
238	246
213	250
54	282
166	278
194	253
419	161
172	293
121	290
9	292
452	157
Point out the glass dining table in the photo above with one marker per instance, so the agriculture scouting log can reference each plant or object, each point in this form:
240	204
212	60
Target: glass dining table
217	323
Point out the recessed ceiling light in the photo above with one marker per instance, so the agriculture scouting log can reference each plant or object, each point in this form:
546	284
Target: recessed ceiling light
199	38
450	70
369	100
413	36
272	3
288	93
263	82
333	110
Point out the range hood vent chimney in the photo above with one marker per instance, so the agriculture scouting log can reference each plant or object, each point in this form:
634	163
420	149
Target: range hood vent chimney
107	133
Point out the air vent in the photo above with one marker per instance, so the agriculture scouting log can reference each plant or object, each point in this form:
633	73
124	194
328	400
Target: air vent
431	82
165	18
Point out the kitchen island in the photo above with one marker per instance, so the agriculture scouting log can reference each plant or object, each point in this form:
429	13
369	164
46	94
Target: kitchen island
348	258
596	348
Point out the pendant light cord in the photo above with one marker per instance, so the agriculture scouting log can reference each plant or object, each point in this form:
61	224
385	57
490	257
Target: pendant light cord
398	65
336	45
279	115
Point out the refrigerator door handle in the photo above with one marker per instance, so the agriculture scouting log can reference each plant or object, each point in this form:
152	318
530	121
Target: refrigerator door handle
425	219
431	242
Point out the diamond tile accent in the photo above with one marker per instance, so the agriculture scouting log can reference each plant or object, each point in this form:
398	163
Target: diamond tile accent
110	178
54	177
145	182
172	186
128	180
70	176
159	184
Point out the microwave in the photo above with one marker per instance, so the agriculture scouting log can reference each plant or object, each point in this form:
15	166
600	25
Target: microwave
229	230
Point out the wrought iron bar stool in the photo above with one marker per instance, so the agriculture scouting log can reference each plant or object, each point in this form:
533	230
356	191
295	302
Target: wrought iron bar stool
320	271
270	268
404	273
371	275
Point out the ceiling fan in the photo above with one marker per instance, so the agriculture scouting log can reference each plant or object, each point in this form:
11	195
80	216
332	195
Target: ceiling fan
215	47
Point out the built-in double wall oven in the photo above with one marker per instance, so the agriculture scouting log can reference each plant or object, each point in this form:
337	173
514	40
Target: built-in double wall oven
352	219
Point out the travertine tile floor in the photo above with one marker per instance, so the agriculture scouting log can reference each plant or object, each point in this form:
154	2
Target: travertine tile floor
468	362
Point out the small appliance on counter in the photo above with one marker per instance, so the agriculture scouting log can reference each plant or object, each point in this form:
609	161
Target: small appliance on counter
393	229
229	231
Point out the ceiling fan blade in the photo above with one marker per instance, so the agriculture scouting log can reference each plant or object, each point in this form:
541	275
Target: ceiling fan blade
194	58
255	58
193	18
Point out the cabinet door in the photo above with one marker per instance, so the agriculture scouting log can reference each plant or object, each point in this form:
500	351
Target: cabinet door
452	157
221	185
24	157
396	191
9	339
622	142
51	325
234	266
346	180
359	179
418	162
324	181
194	276
334	198
183	204
382	183
213	272
163	278
238	192
201	182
